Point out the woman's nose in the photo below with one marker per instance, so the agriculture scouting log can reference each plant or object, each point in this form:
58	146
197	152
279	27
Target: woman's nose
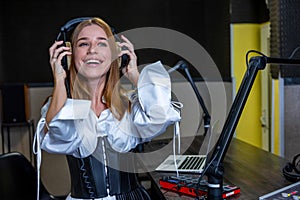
92	48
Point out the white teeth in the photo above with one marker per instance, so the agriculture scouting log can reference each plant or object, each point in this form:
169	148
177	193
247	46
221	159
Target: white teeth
93	62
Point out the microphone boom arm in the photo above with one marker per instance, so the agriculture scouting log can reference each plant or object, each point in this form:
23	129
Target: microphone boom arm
215	170
206	116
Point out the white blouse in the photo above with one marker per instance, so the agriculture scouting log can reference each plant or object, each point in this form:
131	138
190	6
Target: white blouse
77	126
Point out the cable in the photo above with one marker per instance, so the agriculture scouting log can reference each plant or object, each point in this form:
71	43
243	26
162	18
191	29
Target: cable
252	51
294	52
200	123
86	178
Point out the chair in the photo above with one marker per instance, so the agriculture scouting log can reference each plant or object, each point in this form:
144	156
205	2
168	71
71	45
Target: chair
18	179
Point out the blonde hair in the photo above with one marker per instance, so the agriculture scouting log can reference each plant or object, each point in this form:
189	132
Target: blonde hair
113	92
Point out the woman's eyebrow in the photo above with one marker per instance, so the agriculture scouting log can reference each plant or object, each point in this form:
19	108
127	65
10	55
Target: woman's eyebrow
98	38
101	38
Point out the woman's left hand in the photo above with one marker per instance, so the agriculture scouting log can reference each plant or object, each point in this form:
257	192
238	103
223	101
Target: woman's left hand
131	70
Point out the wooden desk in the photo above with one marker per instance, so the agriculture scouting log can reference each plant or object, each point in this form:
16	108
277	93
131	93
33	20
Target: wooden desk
255	171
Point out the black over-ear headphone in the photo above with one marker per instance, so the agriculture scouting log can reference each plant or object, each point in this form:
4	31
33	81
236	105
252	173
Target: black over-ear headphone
66	31
291	171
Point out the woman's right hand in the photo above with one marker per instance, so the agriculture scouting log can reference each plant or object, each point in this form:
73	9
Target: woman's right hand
59	95
57	51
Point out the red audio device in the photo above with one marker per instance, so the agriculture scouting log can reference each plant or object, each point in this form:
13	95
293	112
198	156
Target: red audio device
187	185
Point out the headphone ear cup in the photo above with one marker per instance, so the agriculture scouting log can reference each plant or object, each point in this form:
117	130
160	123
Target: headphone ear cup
296	163
287	172
68	44
288	167
124	59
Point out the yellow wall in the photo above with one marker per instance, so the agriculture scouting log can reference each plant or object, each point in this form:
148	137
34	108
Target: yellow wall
247	37
276	123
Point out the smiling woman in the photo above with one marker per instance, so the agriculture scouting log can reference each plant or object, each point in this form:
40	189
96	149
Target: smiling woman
99	123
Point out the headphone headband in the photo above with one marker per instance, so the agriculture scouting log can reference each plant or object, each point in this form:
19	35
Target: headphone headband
296	163
71	24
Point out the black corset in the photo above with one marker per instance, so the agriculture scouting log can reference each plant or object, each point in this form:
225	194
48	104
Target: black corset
89	180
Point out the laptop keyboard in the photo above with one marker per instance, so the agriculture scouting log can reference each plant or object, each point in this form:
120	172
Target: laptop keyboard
192	163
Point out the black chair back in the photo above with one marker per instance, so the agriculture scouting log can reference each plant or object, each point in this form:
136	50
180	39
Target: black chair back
18	178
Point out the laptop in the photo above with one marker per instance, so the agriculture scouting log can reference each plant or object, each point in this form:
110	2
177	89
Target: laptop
190	163
185	163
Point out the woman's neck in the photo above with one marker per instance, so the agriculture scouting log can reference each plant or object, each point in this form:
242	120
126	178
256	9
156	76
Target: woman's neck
97	88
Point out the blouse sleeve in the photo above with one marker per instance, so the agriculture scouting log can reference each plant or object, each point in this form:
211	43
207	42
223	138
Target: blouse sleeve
63	136
152	110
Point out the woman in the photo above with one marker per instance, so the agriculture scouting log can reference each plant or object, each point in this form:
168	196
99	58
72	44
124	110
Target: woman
102	122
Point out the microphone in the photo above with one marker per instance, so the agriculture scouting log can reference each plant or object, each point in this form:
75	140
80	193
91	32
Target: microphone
184	66
179	65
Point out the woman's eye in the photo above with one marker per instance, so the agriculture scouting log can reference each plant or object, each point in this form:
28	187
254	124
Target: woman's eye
102	44
82	44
